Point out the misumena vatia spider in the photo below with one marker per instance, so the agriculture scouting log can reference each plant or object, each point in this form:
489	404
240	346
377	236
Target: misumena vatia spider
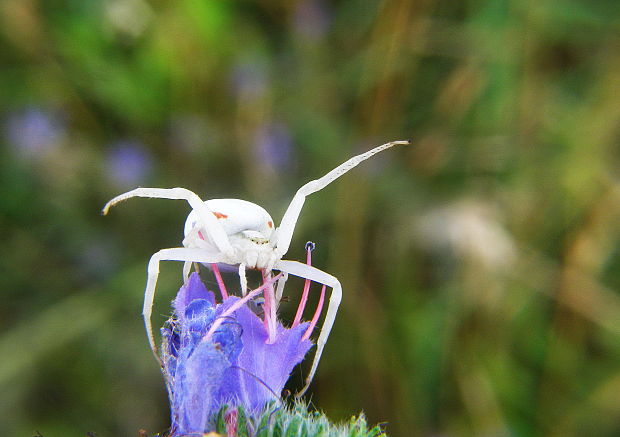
237	232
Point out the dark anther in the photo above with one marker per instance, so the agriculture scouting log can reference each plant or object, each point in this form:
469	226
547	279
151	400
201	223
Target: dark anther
310	246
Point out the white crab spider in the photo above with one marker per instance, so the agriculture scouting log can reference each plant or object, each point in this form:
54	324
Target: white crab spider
237	232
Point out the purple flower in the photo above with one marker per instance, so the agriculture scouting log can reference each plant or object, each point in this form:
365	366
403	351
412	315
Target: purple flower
273	146
34	132
249	79
311	19
128	164
216	354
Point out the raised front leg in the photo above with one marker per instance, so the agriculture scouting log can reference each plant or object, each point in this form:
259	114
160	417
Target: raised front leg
287	225
208	219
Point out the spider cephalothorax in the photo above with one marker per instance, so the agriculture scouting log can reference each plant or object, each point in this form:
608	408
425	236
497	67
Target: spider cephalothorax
249	228
237	232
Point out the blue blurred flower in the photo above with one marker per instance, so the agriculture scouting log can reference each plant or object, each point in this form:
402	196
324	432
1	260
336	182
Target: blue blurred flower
249	79
311	19
216	354
127	164
273	146
34	132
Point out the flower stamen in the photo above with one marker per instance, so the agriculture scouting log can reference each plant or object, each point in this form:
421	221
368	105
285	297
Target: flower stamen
238	304
220	281
304	296
315	317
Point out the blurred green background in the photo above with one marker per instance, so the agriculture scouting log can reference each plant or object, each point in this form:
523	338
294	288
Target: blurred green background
480	266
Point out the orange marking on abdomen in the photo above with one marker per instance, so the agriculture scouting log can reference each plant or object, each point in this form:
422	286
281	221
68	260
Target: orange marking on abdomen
219	215
270	224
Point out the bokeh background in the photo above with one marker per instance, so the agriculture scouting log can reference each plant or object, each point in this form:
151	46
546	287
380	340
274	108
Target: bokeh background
480	266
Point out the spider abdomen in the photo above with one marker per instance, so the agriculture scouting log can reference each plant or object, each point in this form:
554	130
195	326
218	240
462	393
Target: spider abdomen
236	215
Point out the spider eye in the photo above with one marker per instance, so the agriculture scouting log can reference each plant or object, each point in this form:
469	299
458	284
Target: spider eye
255	237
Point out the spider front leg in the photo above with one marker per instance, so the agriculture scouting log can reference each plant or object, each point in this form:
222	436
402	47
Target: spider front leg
284	233
209	221
316	275
173	254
